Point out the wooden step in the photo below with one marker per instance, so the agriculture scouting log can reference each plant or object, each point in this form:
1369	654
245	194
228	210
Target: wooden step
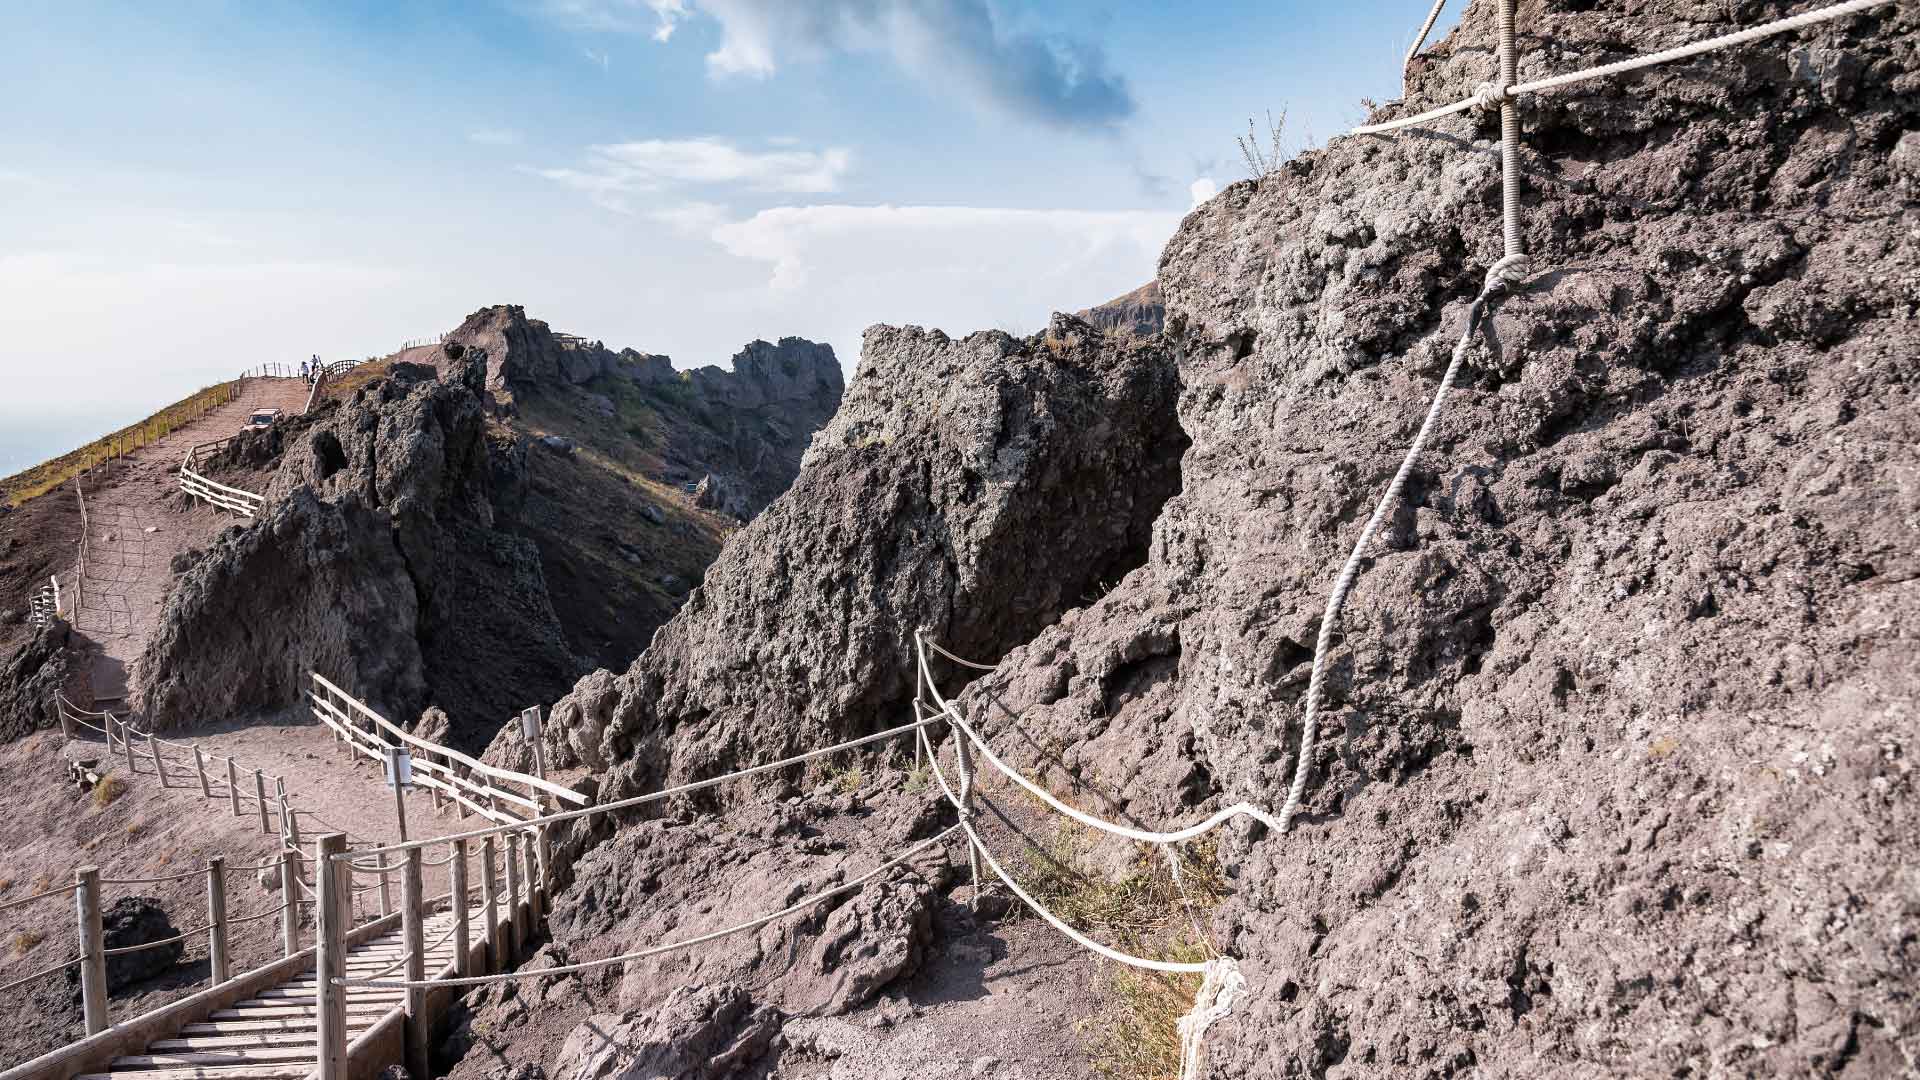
261	1055
267	1010
286	1071
290	1025
310	994
240	1041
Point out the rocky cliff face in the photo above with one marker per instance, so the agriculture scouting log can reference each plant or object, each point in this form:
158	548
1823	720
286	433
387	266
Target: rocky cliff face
743	430
935	499
1142	311
1618	747
49	659
379	563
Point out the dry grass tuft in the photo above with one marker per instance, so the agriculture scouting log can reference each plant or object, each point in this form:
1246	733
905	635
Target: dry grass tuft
25	940
1135	1034
107	790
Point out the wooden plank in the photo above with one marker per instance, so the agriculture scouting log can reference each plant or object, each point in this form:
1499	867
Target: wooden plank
264	1055
234	1041
210	1072
283	1009
296	1026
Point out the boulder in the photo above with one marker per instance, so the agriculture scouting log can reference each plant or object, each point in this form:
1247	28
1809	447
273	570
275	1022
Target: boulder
45	662
137	920
704	1033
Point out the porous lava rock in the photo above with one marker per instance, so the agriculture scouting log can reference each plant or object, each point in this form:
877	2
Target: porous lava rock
138	920
379	562
1614	773
47	661
697	1033
938	498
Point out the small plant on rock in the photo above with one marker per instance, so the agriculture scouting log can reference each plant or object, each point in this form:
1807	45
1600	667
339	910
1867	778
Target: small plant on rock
107	790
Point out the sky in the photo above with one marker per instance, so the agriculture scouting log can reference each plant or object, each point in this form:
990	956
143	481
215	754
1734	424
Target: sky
187	190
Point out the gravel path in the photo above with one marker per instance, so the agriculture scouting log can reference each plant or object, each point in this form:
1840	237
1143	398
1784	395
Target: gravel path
138	522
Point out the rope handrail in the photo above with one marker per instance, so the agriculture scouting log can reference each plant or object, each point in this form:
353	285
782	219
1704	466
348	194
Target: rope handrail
402	961
41	974
255	917
1492	94
25	900
182	936
592	965
531	825
1145	836
153	880
381	868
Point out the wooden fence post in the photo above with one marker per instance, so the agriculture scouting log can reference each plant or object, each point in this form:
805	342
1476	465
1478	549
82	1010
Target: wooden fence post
489	891
126	743
233	786
386	893
516	915
260	800
217	918
200	764
413	898
66	721
290	900
93	950
159	765
335	887
293	830
462	941
964	759
532	853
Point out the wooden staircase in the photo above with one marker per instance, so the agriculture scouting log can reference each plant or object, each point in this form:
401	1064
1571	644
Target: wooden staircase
273	1035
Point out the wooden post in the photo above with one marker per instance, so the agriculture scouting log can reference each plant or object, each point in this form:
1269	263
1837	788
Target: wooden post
335	887
217	918
260	800
159	764
233	786
532	853
516	915
200	764
386	893
496	960
66	720
462	941
126	743
543	843
413	898
293	830
964	756
93	950
290	901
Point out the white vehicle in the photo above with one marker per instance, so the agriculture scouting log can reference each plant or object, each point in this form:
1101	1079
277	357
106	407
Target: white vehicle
263	418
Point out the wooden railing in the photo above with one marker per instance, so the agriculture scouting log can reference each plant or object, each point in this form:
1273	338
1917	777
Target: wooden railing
244	503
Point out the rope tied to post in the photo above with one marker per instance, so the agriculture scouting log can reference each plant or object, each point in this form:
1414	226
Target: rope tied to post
1489	96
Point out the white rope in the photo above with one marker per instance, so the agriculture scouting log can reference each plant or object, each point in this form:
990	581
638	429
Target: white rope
529	825
1142	835
1219	986
1665	56
591	965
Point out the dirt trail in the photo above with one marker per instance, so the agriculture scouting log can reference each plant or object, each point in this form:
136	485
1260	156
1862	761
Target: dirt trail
138	522
149	831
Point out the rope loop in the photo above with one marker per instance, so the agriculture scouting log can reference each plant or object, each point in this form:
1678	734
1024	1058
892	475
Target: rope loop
1489	96
1219	986
1507	274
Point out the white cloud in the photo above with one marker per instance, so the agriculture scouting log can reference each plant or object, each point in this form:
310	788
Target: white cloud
494	137
613	172
600	57
655	17
964	46
691	218
1203	189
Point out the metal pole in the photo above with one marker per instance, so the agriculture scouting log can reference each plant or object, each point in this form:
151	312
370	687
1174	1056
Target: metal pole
335	888
491	894
463	962
413	897
93	950
217	918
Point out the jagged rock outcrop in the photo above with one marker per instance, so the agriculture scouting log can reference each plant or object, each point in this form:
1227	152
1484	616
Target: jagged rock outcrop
1142	311
704	1033
379	563
41	664
935	499
745	427
1615	773
132	921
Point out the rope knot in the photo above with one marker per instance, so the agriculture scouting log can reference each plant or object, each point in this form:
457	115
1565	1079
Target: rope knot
1488	97
1219	985
1508	273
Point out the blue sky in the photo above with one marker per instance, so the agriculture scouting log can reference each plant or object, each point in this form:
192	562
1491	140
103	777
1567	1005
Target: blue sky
186	190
